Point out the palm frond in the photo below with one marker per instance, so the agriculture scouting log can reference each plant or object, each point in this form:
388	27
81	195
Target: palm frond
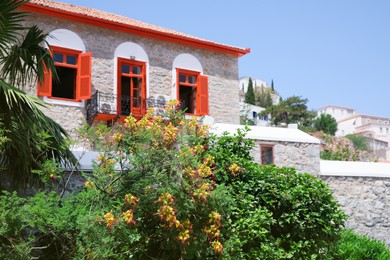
25	62
10	23
23	125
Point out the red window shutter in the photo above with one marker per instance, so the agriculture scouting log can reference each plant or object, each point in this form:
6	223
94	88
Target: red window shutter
44	89
202	96
84	88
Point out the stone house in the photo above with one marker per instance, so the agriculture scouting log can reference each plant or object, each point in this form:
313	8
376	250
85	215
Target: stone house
284	147
110	66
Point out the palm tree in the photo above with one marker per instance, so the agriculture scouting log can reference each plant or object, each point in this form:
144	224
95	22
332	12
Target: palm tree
29	136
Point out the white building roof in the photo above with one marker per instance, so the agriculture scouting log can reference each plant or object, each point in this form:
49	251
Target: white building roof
360	169
267	133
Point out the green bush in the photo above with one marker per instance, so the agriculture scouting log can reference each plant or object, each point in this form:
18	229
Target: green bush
277	213
326	123
353	246
13	243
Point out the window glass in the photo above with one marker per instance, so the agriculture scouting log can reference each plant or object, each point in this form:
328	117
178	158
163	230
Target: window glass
182	78
136	70
192	79
71	60
58	57
126	69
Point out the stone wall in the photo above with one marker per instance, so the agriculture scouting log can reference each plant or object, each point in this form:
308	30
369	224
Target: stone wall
305	157
221	69
366	200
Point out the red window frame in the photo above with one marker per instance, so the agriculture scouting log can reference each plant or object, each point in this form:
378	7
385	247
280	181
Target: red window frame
83	67
200	102
137	111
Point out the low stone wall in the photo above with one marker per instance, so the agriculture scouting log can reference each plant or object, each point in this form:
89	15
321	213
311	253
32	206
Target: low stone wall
366	200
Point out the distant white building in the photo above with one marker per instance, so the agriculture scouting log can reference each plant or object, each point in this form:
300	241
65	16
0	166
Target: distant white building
337	112
244	82
376	128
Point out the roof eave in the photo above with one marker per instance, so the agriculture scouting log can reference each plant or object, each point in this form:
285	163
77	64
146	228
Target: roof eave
198	43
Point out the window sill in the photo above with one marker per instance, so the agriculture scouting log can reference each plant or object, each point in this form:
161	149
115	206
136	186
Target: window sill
61	102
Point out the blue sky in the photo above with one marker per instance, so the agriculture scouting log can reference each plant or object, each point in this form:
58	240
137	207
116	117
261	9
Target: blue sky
331	52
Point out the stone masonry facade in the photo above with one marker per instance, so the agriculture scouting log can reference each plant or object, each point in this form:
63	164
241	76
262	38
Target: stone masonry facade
221	69
366	201
304	157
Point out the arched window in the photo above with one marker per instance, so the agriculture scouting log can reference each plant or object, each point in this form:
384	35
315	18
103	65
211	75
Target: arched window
131	80
190	86
73	67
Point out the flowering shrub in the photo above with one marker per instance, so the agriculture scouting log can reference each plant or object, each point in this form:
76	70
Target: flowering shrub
163	188
154	183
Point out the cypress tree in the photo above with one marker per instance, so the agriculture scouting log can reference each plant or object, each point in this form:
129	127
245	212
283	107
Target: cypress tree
250	94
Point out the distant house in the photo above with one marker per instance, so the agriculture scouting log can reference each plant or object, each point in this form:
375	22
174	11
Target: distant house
110	66
337	112
376	128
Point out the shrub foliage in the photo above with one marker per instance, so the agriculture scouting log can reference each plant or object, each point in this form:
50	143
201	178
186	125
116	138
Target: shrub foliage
164	188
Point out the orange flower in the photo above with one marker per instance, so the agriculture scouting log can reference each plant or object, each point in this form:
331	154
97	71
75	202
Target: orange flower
131	200
128	217
217	247
110	219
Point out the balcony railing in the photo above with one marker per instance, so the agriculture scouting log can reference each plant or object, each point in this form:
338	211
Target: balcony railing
105	106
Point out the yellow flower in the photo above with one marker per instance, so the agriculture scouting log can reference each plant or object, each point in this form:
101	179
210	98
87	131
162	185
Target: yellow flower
234	168
130	122
110	219
209	160
193	122
217	247
117	137
89	184
170	133
128	216
214	216
184	236
204	170
131	200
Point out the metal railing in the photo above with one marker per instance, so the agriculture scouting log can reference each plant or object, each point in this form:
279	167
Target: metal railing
106	103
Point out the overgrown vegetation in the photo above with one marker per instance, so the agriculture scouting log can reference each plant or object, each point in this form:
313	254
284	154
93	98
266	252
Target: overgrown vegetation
163	188
359	142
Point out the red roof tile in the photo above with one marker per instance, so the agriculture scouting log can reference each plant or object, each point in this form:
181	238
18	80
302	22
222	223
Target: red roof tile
86	14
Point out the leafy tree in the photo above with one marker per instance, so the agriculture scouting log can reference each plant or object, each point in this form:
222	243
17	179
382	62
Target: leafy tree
290	110
326	123
263	97
250	94
272	86
32	136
